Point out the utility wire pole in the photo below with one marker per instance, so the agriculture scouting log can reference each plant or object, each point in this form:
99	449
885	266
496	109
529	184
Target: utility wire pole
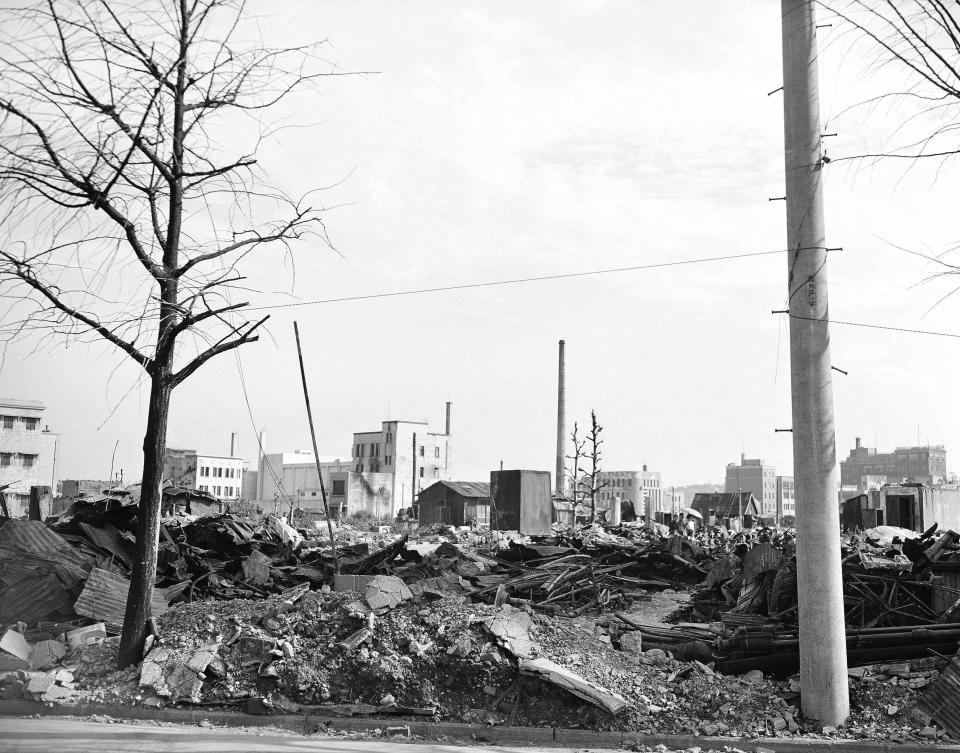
823	650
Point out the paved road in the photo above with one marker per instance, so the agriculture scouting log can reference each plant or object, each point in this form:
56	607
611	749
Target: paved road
47	735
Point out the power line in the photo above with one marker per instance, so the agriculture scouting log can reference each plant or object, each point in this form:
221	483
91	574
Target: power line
877	326
519	280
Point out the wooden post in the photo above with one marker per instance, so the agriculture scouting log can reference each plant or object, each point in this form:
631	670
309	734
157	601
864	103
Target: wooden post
316	455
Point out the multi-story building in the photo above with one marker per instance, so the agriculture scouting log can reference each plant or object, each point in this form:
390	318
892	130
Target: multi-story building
27	452
285	477
641	489
413	455
786	501
751	475
218	475
864	466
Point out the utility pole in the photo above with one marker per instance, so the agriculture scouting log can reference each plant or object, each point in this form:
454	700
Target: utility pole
823	650
561	483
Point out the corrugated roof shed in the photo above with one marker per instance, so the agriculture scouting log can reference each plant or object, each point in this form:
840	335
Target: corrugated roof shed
471	489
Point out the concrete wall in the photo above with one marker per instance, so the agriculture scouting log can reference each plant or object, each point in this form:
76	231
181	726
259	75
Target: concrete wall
21	445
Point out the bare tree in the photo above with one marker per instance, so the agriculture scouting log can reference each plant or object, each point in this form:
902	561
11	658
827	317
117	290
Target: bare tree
594	455
920	38
574	471
125	210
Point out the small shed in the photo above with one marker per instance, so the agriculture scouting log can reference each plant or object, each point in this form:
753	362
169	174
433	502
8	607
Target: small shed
456	503
720	507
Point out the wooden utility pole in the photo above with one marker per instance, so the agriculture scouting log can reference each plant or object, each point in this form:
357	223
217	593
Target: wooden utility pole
316	456
560	478
823	651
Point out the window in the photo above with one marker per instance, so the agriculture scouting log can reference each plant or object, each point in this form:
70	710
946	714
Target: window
389	437
5	459
8	422
29	460
421	450
31	423
377	450
338	487
421	471
389	459
217	490
436	452
436	473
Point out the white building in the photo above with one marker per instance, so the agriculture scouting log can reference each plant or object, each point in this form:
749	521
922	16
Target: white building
27	452
220	476
292	476
413	455
639	488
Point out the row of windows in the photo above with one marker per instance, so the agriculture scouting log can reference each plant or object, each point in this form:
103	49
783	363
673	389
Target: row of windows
8	459
372	450
219	472
29	423
226	491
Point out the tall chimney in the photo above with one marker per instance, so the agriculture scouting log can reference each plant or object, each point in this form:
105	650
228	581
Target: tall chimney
448	418
561	421
858	443
233	441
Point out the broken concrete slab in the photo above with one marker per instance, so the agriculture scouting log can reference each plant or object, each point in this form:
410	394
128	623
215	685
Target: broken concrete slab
87	636
202	657
511	627
256	568
47	654
562	677
14	644
386	592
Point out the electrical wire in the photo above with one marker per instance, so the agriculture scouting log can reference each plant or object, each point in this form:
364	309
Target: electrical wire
520	280
867	325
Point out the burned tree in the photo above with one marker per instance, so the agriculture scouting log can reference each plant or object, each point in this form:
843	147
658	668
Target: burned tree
594	455
574	472
131	196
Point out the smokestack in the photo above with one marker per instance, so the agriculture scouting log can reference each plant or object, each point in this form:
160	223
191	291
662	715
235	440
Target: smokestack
858	443
561	421
448	419
233	442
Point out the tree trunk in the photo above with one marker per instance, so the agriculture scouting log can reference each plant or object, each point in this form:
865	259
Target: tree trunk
148	524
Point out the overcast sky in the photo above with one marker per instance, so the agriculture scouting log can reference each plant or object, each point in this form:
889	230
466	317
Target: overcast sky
502	140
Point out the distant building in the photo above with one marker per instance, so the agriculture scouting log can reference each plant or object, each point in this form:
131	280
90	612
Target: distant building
413	455
27	452
455	503
726	508
285	477
74	488
865	468
353	493
786	500
913	506
214	474
639	489
751	475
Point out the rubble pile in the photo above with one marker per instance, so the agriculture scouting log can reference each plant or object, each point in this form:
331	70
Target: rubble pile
886	583
448	659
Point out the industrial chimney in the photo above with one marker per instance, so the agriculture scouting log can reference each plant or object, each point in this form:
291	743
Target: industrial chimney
561	421
448	419
233	442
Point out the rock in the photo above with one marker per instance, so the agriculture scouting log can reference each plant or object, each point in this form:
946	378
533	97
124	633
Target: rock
398	731
388	700
490	690
828	729
153	702
56	693
929	732
752	677
778	723
287	649
631	642
709	729
892	710
656	656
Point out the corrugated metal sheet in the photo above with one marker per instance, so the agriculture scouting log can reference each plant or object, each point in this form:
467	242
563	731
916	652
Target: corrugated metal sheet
109	539
760	559
104	598
472	489
31	536
941	701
